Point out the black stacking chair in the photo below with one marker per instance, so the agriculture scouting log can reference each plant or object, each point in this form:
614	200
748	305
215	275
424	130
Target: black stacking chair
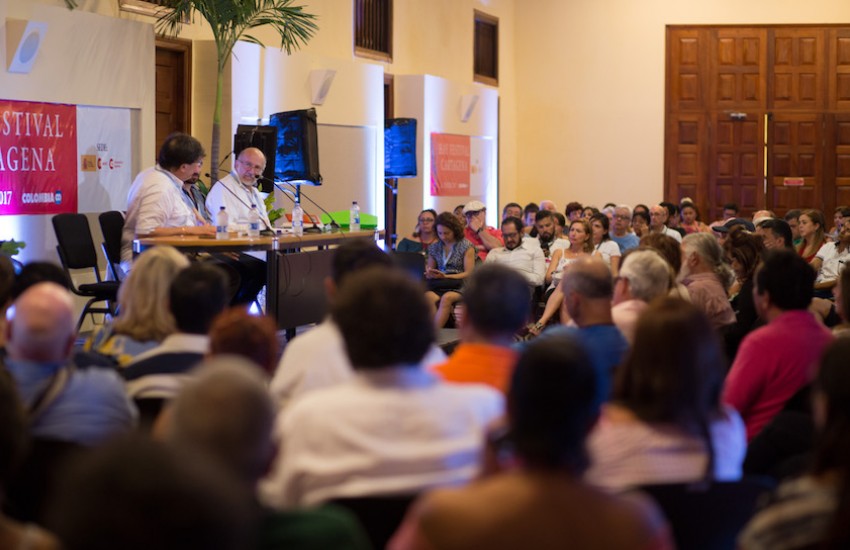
112	227
708	516
77	252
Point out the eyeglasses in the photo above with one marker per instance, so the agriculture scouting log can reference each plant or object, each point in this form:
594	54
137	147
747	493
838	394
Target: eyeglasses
621	217
510	235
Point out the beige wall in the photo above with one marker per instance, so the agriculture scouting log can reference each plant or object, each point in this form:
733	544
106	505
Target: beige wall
590	92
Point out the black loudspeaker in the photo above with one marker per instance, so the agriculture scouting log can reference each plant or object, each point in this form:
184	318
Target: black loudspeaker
297	153
400	148
263	138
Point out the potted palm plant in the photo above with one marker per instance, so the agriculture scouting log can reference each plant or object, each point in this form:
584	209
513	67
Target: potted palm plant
231	21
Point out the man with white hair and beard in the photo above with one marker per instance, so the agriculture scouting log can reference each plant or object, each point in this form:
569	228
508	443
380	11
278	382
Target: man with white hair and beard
707	277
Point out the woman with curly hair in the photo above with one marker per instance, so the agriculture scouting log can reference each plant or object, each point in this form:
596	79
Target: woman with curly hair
450	260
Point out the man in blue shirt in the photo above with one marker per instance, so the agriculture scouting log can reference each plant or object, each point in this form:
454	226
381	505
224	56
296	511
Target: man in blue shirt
621	232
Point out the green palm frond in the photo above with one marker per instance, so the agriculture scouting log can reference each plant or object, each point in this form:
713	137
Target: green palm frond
230	21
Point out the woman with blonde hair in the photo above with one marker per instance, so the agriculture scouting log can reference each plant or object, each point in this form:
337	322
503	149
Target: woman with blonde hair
143	319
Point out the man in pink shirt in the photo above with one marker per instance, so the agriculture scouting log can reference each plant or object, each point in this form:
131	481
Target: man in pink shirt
478	232
778	359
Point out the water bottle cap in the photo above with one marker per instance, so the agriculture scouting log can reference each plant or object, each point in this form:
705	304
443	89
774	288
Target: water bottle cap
221	208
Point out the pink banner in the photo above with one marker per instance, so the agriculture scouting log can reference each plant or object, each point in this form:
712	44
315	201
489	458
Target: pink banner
38	158
449	165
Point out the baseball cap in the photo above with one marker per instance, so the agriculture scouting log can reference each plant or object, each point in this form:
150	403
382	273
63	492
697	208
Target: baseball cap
473	206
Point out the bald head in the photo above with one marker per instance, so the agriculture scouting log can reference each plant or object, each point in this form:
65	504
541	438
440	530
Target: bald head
250	165
42	328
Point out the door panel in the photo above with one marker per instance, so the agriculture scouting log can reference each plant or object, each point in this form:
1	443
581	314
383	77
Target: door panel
796	153
797	76
737	162
737	65
685	59
686	156
839	193
839	70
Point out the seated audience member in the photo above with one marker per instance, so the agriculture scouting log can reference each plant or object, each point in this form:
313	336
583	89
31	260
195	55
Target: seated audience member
644	277
830	261
603	245
225	413
580	246
658	218
722	231
143	320
573	211
838	217
483	237
671	251
776	360
395	429
520	253
707	277
589	211
7	281
775	233
82	406
512	210
812	234
423	236
33	273
587	292
496	306
743	250
730	210
254	337
317	358
548	205
136	494
560	225
528	216
812	511
13	446
640	207
792	217
197	294
761	216
458	213
673	217
621	230
841	291
543	502
450	261
690	217
546	231
665	422
640	223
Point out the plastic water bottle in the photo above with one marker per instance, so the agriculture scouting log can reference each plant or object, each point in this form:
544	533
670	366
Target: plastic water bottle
254	222
354	217
298	220
221	221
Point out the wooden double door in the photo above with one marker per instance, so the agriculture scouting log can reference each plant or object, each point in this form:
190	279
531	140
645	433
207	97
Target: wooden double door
758	116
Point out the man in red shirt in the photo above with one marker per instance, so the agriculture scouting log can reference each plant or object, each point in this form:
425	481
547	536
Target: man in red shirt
478	232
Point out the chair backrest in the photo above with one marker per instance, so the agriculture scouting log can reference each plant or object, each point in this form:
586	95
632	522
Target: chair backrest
75	245
708	516
112	227
380	516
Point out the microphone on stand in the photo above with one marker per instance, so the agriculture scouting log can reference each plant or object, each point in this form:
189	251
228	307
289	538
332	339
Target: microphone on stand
227	156
291	194
314	203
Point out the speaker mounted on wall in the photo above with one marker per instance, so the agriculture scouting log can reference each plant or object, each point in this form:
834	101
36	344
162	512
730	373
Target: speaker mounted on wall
263	138
400	148
23	40
297	151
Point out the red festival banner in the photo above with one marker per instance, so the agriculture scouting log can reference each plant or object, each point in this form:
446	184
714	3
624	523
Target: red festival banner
449	165
38	158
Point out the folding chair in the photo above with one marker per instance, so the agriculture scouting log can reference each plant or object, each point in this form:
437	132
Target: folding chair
76	251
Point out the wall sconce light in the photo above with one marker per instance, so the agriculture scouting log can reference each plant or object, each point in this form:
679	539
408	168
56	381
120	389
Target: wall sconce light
23	40
467	106
320	83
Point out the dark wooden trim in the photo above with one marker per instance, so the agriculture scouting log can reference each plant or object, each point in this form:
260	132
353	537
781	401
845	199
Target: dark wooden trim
185	47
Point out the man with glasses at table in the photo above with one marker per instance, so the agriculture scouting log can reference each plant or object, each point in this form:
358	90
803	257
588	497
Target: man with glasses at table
237	191
621	229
